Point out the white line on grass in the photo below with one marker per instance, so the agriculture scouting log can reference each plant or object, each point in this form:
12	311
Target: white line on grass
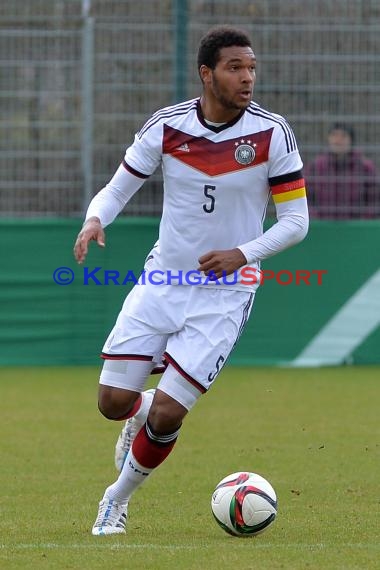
104	546
52	546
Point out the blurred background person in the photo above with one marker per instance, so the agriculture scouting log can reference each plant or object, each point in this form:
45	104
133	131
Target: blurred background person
342	183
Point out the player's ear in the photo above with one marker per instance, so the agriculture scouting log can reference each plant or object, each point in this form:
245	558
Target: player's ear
205	74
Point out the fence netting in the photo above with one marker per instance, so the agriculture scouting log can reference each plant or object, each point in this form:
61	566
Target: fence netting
78	78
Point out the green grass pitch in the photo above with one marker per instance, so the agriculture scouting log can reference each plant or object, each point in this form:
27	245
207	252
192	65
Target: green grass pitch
314	434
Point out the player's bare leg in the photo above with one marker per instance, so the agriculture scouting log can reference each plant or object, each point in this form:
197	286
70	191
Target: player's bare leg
132	426
152	444
119	404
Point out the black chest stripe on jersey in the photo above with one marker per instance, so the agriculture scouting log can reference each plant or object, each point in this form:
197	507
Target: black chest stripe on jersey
173	111
216	158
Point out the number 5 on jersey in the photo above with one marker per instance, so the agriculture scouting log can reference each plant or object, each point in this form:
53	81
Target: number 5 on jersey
209	206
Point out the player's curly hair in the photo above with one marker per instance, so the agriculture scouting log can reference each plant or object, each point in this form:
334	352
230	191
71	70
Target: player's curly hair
218	38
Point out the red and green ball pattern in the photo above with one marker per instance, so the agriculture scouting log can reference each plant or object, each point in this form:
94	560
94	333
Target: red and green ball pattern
236	510
236	507
239	480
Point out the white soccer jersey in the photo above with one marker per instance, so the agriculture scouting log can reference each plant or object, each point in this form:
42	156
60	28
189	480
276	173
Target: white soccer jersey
217	183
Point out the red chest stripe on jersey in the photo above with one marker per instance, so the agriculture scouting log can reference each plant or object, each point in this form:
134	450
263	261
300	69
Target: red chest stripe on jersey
216	158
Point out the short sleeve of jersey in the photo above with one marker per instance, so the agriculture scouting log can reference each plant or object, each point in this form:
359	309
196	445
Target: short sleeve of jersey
144	155
284	157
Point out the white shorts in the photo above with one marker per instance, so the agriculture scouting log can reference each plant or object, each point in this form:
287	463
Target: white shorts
192	328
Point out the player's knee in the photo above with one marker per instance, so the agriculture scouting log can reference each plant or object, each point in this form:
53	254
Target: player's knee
165	414
114	403
107	410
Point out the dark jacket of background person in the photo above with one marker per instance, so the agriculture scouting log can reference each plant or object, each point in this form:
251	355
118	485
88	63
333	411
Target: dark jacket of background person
342	183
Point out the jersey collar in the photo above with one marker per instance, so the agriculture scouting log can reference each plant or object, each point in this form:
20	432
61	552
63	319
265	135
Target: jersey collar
201	119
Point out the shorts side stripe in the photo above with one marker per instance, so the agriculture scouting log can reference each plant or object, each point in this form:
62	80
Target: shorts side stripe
184	374
244	319
142	357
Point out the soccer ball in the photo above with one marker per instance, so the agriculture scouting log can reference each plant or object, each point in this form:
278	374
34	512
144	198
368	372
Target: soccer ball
244	504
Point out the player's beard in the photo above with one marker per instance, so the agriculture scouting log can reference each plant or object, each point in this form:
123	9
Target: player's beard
224	98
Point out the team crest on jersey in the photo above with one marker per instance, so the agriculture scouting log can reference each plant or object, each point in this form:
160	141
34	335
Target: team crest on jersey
244	153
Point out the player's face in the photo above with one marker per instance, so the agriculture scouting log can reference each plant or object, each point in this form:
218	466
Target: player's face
231	82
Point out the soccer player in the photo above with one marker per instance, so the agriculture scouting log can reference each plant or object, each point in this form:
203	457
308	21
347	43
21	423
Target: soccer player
222	157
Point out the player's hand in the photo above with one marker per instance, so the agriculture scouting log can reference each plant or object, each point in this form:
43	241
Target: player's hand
92	231
222	262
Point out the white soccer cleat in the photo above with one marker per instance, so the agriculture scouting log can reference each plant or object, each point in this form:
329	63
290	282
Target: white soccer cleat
111	518
129	431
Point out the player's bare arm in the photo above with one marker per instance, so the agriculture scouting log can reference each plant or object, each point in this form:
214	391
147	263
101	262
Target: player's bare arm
91	231
222	262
